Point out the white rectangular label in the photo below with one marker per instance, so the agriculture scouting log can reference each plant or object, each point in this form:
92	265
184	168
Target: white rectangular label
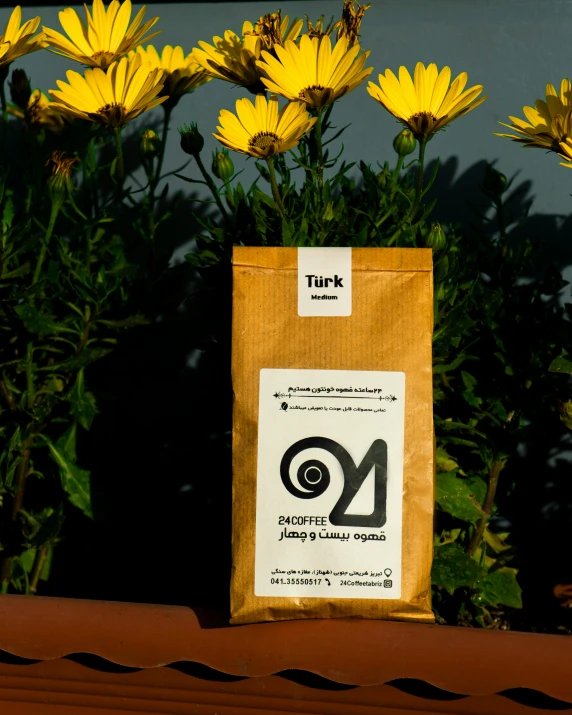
329	483
324	281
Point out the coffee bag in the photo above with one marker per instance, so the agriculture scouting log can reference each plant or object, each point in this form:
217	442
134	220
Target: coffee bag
333	449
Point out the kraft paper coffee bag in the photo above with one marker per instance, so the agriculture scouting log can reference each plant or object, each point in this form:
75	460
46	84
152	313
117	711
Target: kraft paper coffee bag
333	456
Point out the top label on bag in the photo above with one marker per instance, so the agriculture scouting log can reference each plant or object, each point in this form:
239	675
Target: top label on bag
324	282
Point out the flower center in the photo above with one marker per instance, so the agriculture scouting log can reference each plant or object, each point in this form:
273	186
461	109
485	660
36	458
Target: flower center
114	114
422	123
263	140
316	96
103	58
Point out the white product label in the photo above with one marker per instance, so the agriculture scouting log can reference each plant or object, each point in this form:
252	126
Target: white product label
324	281
329	483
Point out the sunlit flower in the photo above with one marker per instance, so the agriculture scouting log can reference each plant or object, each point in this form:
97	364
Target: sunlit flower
113	98
549	123
234	59
181	74
17	41
260	130
313	72
428	102
39	113
106	38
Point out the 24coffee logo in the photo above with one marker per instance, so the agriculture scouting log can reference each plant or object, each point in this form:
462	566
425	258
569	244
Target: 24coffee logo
314	478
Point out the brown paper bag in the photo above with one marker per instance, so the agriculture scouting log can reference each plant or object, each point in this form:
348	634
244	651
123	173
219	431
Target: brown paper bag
333	456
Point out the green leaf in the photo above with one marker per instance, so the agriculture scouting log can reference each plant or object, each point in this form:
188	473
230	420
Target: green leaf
75	481
468	380
561	364
456	496
37	322
83	406
496	541
453	568
288	232
17	272
8	213
49	530
85	358
500	587
444	461
27	560
438	369
130	322
67	443
478	487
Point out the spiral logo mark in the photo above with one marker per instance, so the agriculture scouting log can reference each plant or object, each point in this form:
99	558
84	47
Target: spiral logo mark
314	478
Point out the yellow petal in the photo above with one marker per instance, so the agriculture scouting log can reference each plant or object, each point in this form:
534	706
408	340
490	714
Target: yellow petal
120	25
13	24
408	89
75	30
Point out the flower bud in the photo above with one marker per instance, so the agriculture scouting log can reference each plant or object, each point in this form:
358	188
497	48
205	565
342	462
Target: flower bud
60	184
192	141
436	238
222	166
494	182
150	142
404	143
20	90
383	176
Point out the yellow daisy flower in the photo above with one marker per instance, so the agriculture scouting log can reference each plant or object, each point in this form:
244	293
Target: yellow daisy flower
314	72
428	102
112	98
549	123
181	74
234	59
17	41
107	37
39	113
260	130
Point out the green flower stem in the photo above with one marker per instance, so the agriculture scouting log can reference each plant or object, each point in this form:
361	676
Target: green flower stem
395	173
157	176
419	182
3	77
494	474
211	185
30	375
319	149
119	167
92	168
274	185
39	561
56	205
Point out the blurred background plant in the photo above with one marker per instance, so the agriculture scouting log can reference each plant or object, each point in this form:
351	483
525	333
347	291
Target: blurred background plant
97	443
